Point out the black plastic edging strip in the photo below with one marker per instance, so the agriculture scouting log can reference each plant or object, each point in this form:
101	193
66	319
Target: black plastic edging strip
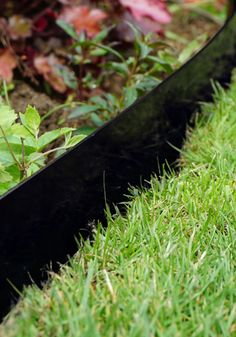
40	217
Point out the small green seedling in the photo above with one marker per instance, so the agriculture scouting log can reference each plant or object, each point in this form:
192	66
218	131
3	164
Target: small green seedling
23	149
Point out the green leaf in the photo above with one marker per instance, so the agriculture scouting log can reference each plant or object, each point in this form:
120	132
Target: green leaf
30	143
4	187
47	138
6	158
59	152
68	76
144	49
99	102
37	158
147	83
83	110
96	119
109	49
13	180
130	96
85	130
7	116
5	176
102	35
50	136
160	64
31	119
18	130
176	37
14	172
192	47
98	52
120	68
14	139
68	137
11	140
74	141
32	169
113	102
68	29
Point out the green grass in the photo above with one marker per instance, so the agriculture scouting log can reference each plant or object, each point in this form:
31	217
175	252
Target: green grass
168	267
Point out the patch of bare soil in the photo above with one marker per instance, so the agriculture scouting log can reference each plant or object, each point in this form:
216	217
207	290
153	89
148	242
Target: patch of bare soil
24	95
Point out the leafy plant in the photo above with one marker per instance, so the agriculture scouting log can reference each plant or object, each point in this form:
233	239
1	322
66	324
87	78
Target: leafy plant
139	72
23	149
146	63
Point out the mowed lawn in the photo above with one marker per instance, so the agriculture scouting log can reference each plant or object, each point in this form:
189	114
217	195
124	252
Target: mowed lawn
168	267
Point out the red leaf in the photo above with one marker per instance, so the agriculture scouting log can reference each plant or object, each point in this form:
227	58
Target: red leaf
7	63
155	10
83	18
47	67
41	24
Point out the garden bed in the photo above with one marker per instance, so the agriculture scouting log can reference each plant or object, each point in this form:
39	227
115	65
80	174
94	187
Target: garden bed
39	55
92	70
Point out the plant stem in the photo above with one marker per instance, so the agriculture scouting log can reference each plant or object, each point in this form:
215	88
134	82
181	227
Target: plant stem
10	149
108	49
23	171
81	68
6	93
61	106
46	153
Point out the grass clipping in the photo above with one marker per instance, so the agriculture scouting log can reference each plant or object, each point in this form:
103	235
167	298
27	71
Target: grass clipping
165	269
